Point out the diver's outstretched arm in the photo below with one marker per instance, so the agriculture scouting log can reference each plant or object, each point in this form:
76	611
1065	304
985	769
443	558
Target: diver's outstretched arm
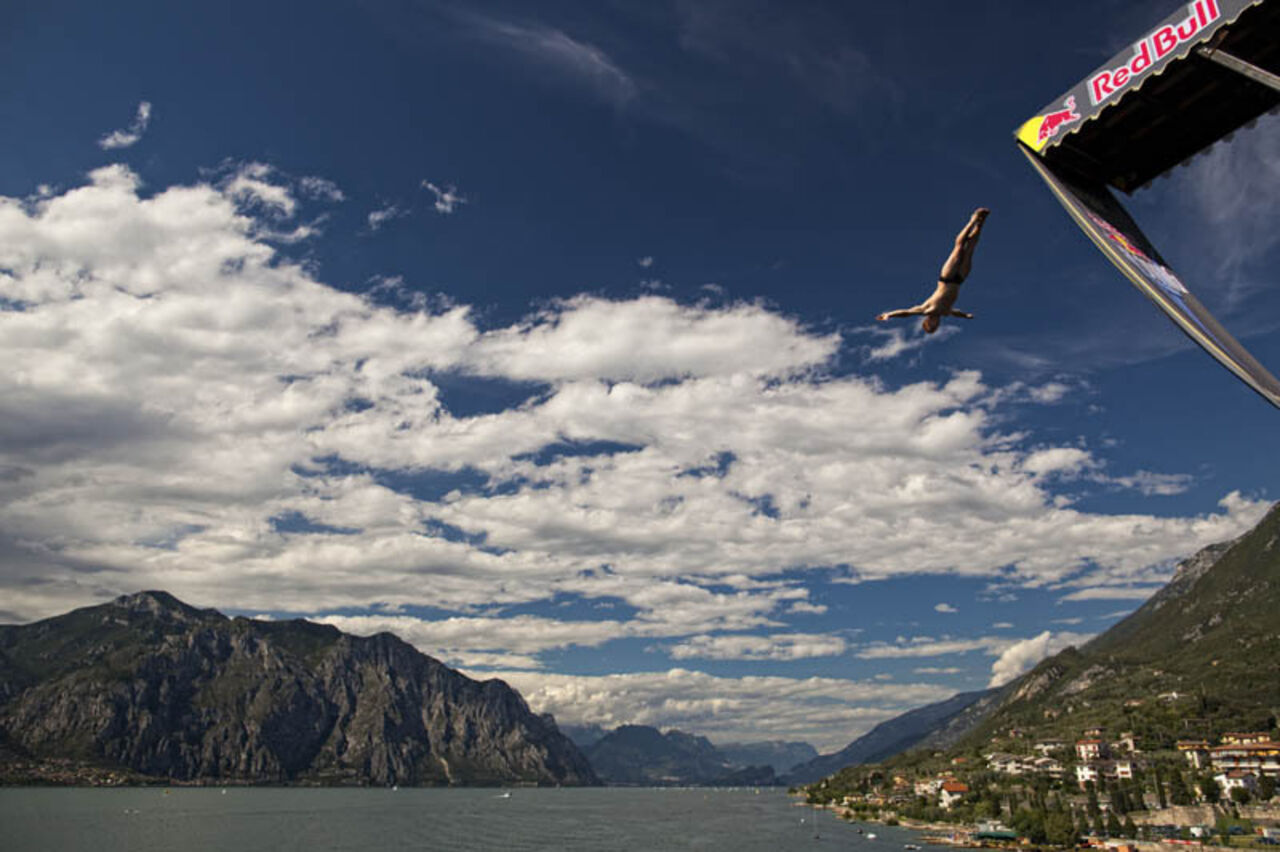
961	314
902	312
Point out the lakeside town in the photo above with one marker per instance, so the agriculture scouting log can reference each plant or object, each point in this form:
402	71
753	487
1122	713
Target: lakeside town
1099	790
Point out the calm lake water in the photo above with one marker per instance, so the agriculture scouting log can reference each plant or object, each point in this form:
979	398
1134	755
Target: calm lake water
246	819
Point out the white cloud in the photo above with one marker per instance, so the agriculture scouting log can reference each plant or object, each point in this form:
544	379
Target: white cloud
900	341
321	188
827	712
130	136
945	607
171	381
1112	593
1154	484
1060	460
927	646
804	607
1232	186
582	63
378	218
250	185
1022	656
447	199
938	670
795	646
645	262
1002	625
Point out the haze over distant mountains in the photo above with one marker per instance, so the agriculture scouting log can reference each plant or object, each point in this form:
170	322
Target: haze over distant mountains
151	686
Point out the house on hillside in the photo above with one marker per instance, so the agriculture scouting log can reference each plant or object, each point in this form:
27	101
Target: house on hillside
1236	779
951	792
1086	773
1050	766
1090	749
1195	751
1005	764
1237	738
929	787
1257	758
1099	770
1126	742
1046	747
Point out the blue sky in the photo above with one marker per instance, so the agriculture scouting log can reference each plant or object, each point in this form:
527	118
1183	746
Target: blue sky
542	334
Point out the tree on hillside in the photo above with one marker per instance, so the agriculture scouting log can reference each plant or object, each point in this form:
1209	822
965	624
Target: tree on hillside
1164	802
1210	790
1241	796
1266	787
1060	829
1179	794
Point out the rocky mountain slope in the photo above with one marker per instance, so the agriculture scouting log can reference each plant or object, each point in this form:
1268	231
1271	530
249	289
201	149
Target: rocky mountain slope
149	685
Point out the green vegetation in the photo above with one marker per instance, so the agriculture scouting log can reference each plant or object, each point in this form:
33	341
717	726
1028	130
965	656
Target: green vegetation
1200	659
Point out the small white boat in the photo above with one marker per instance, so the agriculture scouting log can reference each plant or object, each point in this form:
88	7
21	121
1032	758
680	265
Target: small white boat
871	837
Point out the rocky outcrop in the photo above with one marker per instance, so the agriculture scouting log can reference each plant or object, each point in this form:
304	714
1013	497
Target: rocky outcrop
149	684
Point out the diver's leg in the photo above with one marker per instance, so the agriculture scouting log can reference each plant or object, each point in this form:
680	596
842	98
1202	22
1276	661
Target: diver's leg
956	269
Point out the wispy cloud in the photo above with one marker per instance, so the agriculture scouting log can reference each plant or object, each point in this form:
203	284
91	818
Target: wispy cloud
447	199
945	607
579	62
130	135
901	341
378	218
796	646
1112	593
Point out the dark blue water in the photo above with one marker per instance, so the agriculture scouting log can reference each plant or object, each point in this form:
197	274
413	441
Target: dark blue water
249	819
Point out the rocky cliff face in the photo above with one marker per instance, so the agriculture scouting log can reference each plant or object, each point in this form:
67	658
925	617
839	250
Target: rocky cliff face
151	685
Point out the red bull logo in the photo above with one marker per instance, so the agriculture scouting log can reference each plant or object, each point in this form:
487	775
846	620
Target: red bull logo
1117	236
1153	49
1055	121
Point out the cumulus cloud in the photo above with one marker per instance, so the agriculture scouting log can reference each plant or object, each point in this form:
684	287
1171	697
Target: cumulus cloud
174	386
827	712
1022	656
132	134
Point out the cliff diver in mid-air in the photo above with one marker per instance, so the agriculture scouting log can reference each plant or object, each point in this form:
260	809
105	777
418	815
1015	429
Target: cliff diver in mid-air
954	271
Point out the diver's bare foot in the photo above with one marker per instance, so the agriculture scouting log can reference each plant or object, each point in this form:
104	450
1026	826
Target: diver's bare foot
981	213
882	317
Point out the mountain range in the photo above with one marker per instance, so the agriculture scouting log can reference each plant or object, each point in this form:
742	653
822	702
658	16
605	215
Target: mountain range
150	687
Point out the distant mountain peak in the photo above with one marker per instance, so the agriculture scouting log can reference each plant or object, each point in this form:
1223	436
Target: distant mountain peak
155	602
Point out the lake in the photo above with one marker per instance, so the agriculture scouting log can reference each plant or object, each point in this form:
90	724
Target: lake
244	819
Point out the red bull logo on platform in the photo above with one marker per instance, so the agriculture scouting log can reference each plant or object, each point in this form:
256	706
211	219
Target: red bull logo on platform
1153	49
1055	121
